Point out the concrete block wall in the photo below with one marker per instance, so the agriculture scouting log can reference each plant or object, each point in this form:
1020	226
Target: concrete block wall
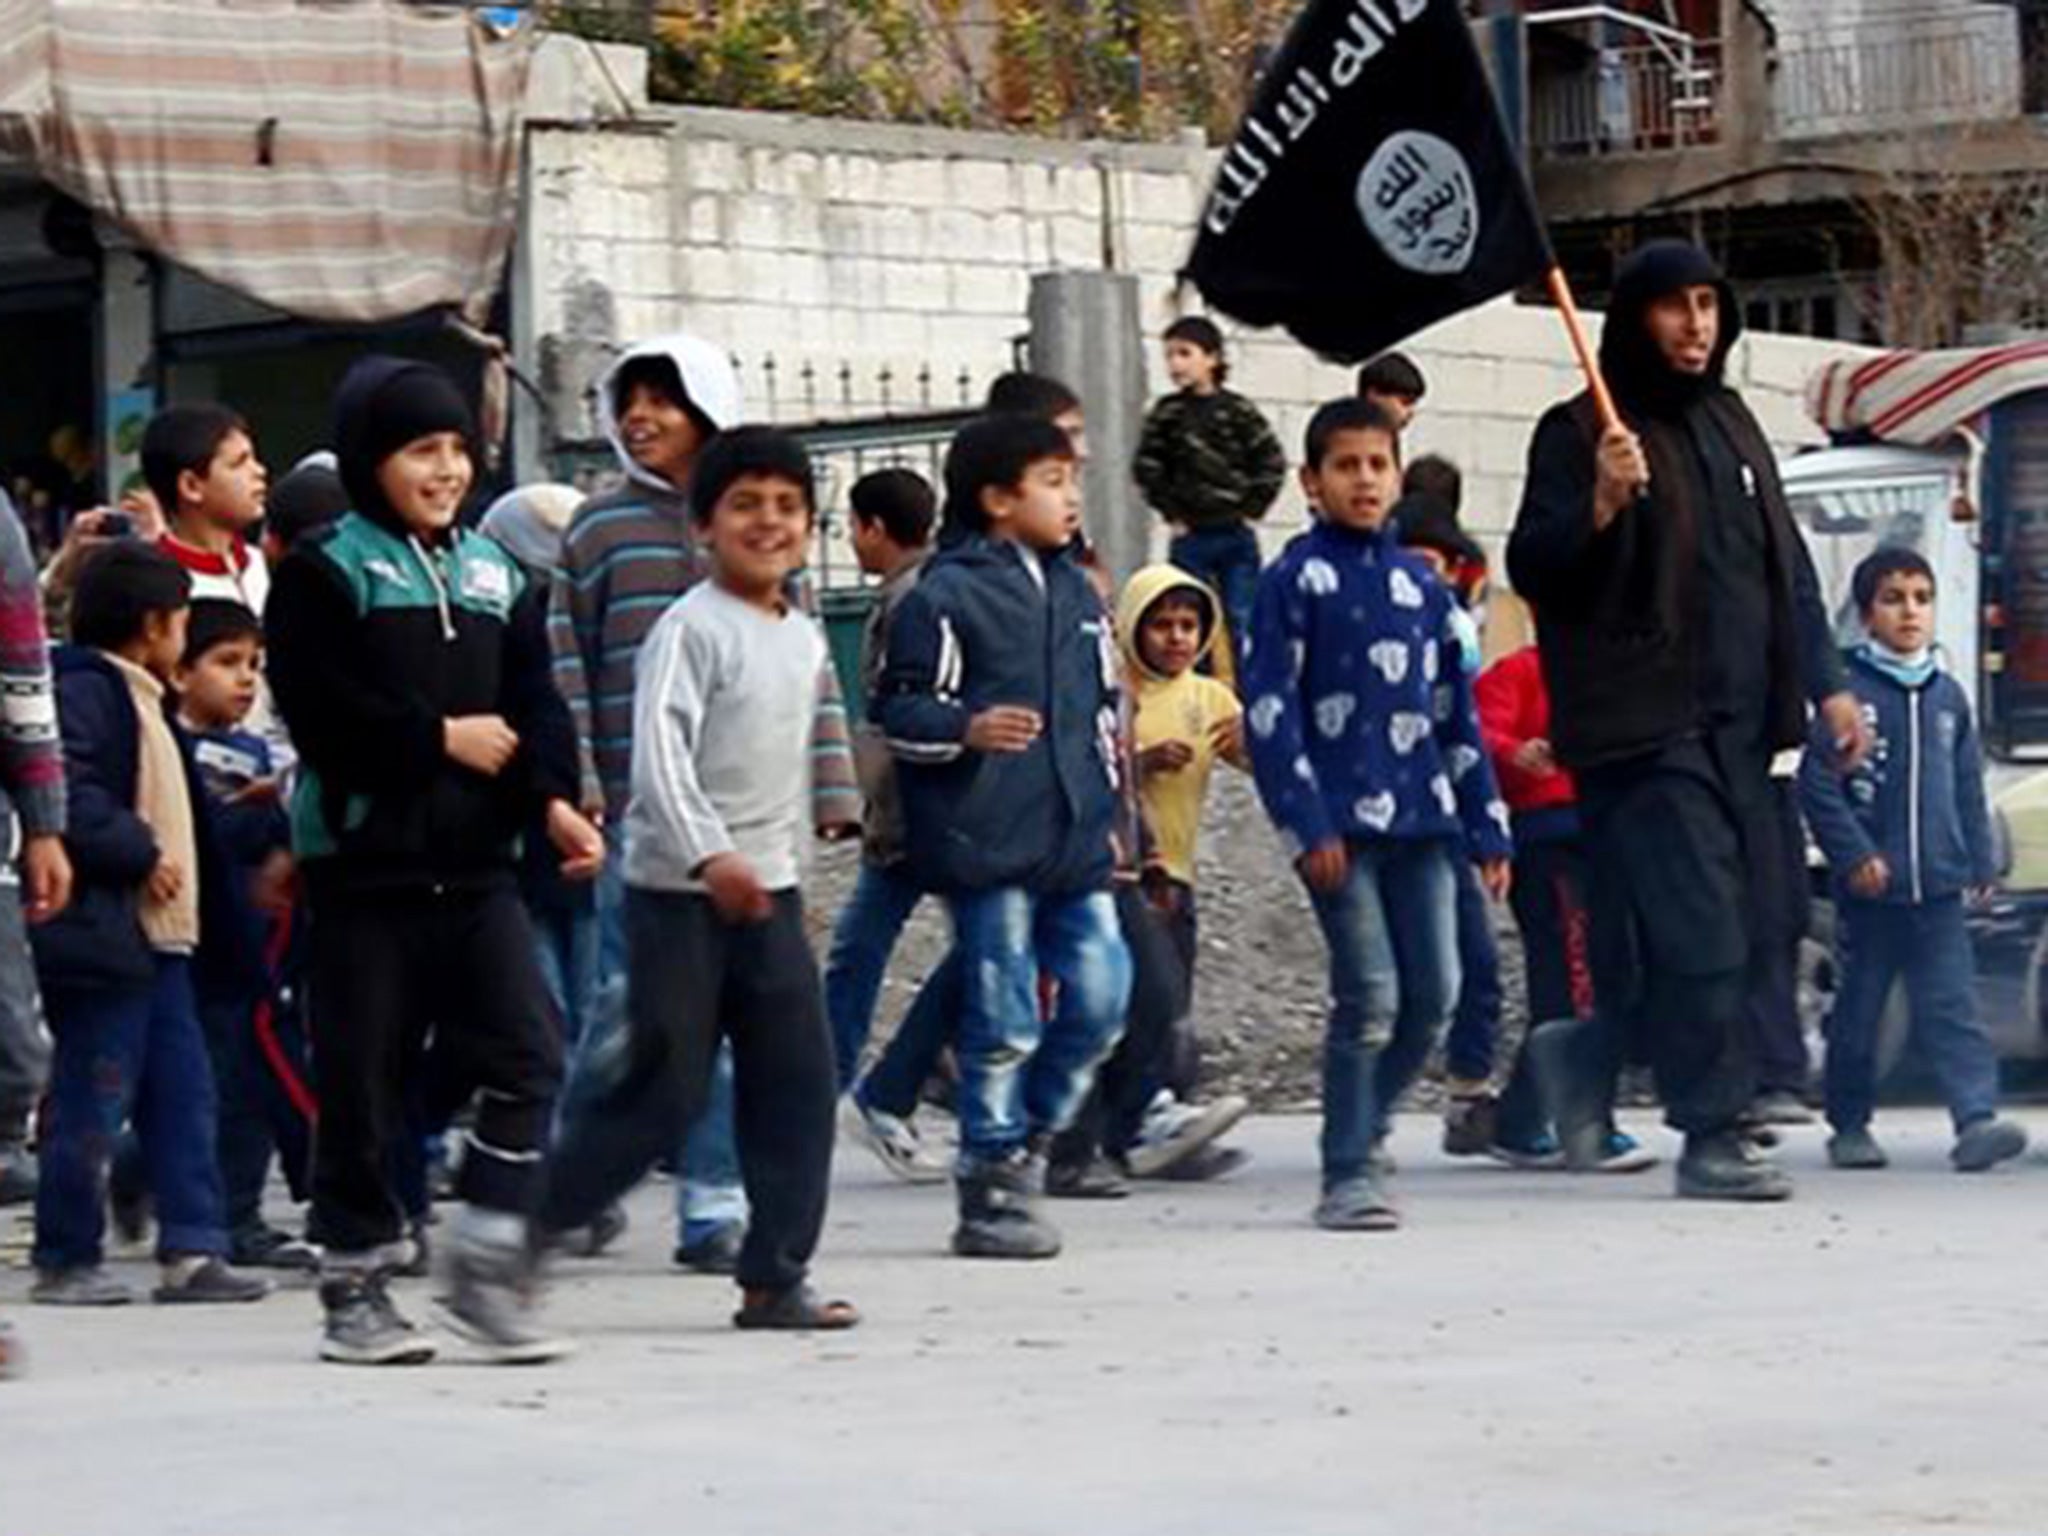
871	246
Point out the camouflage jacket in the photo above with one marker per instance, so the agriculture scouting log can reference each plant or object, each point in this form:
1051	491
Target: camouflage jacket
1205	461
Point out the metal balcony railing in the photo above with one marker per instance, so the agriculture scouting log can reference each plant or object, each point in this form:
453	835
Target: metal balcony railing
1629	100
1823	88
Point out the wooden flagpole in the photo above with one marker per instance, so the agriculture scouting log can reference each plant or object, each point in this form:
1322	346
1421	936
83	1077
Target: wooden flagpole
1589	364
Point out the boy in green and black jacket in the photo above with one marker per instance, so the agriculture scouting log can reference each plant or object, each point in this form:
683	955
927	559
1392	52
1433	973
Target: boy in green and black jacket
410	658
1211	466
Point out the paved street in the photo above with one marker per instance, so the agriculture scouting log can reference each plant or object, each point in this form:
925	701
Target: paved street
1534	1355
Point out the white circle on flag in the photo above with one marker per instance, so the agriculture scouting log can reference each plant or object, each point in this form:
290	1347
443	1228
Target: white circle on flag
1415	196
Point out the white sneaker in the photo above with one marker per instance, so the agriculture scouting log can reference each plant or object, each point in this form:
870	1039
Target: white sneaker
1172	1131
895	1142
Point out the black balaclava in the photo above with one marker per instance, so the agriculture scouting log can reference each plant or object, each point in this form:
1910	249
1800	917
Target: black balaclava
1641	379
383	404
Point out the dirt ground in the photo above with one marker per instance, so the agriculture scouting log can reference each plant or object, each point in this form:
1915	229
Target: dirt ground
1260	985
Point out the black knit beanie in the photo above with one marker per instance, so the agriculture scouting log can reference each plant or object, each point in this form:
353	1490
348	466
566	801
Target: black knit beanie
383	404
310	496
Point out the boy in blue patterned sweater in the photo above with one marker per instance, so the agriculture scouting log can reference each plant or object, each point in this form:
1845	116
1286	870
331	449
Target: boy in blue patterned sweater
1366	748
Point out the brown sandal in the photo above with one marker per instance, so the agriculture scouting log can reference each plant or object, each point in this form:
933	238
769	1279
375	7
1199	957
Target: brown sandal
798	1309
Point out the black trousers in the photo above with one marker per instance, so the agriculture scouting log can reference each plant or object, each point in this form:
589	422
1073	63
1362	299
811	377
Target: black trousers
1144	1056
387	969
1779	904
692	980
1669	894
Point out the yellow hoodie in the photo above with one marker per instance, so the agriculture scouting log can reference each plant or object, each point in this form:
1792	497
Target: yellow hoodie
1187	708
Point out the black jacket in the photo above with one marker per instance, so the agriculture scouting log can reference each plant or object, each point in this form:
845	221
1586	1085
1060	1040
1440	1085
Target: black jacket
980	630
375	640
1619	616
97	942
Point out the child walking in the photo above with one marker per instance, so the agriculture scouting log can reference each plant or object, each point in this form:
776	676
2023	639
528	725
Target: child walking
1182	725
1210	465
35	873
999	698
116	966
716	950
1908	838
893	514
261	1078
1429	529
627	556
1367	754
1566	1072
410	657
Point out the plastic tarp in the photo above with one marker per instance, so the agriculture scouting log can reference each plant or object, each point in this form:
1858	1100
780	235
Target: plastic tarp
344	160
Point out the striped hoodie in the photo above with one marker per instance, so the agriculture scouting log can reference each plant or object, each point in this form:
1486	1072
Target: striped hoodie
627	557
31	752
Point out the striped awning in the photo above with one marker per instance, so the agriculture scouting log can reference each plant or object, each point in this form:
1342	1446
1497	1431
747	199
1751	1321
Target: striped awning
349	160
1922	397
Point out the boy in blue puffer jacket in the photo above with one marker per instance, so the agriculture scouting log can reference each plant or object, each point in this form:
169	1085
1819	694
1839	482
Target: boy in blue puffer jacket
1908	837
999	702
1366	749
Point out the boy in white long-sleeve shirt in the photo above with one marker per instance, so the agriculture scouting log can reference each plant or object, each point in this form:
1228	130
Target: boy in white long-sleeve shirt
724	696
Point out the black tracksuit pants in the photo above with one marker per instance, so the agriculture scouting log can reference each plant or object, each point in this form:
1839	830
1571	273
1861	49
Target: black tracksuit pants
389	967
692	980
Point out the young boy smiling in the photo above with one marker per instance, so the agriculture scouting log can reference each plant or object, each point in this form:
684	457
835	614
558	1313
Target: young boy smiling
410	657
716	950
1367	753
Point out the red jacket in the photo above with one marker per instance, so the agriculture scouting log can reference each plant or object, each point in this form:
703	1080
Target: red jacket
1514	708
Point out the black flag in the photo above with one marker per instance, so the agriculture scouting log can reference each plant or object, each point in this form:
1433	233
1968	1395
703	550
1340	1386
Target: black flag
1372	189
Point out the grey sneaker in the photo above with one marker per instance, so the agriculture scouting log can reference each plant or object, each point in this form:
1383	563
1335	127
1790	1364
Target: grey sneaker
1357	1205
1172	1131
1729	1166
1856	1149
364	1328
489	1302
206	1282
715	1253
1095	1179
265	1247
1986	1143
894	1141
81	1285
1780	1107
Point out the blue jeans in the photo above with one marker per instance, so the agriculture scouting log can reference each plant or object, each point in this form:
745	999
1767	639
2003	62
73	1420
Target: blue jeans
1227	558
1022	1075
125	1055
1469	1046
1930	946
1392	931
567	942
709	1194
862	941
